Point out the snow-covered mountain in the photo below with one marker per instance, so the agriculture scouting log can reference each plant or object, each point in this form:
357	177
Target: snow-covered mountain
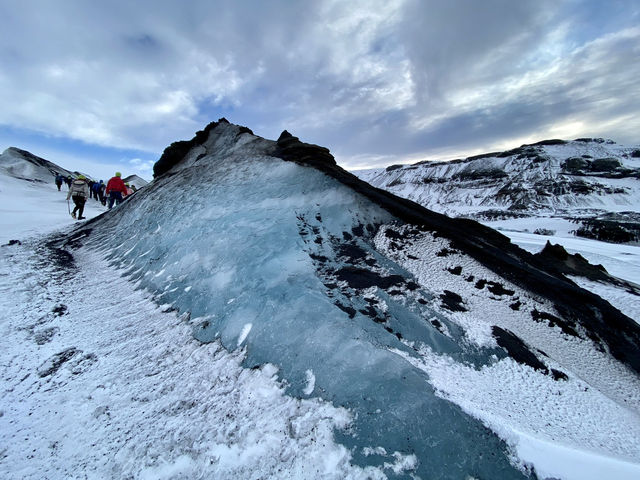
135	180
594	183
455	353
27	166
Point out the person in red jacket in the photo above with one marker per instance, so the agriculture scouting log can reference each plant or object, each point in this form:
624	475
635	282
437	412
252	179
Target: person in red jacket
116	190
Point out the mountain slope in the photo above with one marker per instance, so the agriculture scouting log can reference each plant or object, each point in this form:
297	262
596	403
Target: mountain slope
135	180
591	182
376	304
548	176
32	205
27	166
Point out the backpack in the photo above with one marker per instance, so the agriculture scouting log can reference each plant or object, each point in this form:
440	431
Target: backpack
77	188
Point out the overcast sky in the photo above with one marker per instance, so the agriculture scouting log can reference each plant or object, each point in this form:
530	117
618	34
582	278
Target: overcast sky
376	81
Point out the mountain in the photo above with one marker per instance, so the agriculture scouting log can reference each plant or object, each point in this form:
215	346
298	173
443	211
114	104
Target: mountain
589	182
27	166
135	180
458	354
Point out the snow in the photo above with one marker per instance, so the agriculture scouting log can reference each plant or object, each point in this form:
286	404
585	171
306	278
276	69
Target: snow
578	421
243	335
30	208
466	199
620	260
311	383
102	376
139	396
591	417
553	460
626	302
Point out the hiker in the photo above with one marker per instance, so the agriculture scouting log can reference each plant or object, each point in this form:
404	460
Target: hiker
101	194
116	190
95	189
90	184
68	181
58	181
129	189
79	192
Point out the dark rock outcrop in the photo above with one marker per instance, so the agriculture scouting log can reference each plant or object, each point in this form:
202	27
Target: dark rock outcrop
618	227
517	349
291	149
571	264
605	164
175	152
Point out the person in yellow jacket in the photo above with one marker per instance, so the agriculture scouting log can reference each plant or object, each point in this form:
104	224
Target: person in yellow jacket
79	192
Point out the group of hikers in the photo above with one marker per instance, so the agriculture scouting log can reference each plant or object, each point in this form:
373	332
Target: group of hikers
80	189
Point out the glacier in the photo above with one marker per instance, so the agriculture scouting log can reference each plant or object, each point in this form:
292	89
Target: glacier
231	239
305	272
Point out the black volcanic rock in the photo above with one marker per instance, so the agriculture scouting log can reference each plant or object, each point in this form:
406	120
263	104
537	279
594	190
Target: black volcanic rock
605	164
175	152
290	148
575	163
550	142
610	228
517	349
571	264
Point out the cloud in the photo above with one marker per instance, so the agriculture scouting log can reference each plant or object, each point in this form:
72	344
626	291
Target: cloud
370	79
145	167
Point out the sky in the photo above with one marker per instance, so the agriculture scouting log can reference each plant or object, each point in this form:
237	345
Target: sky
105	86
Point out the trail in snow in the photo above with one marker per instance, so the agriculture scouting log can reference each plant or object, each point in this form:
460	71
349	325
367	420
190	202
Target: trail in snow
35	208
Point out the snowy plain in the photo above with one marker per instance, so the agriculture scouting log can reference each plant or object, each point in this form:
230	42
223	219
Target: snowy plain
153	402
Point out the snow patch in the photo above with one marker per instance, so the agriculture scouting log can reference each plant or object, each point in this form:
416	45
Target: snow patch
311	383
243	335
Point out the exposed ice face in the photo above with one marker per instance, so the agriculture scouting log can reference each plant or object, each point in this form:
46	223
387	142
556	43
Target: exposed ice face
268	255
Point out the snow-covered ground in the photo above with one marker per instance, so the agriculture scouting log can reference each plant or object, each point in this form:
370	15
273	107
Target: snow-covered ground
534	179
32	208
441	187
620	260
566	429
99	382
